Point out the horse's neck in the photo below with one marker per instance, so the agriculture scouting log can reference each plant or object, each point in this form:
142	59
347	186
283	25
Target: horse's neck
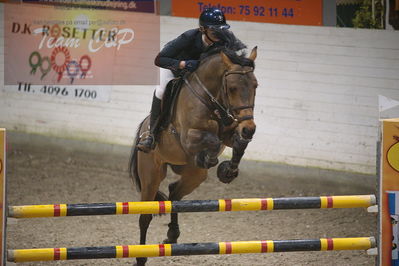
211	75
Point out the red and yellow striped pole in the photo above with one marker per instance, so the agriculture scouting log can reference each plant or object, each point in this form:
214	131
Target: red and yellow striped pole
156	207
237	247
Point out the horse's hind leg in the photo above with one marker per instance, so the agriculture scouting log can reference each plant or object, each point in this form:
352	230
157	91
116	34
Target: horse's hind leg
191	178
151	175
173	231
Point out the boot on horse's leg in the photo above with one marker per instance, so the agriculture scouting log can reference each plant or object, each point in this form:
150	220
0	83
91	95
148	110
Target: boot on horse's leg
147	143
173	231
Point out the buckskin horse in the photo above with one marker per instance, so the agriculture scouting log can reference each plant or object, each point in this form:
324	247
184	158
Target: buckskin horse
213	109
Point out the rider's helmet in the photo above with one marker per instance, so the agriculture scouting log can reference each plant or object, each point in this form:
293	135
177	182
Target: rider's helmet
213	18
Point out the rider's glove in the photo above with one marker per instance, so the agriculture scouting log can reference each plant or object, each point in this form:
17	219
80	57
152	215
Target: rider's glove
191	65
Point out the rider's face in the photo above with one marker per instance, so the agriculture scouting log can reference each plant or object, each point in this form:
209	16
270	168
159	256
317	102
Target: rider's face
210	34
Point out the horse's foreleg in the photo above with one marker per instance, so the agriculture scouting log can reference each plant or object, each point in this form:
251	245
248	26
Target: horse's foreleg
228	170
208	157
204	146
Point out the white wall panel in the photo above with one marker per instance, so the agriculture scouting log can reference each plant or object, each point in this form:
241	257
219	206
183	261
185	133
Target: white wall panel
316	101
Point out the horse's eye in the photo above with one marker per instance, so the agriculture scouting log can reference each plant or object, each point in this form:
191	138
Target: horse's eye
232	89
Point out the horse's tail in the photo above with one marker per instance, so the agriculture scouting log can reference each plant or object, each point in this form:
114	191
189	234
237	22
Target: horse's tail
133	169
133	172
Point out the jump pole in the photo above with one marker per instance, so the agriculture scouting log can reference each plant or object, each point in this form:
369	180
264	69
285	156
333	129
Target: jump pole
222	205
221	248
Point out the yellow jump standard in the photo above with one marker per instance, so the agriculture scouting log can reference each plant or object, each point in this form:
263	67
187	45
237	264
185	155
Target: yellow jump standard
238	247
156	207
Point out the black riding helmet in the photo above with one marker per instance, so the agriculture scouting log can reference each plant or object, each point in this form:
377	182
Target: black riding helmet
213	18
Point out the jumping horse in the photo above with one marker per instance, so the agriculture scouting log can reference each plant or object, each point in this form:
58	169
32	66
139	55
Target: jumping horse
213	109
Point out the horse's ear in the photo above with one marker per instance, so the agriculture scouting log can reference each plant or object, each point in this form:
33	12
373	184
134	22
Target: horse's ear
226	60
254	53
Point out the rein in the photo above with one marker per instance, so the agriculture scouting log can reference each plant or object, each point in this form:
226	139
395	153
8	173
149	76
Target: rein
223	113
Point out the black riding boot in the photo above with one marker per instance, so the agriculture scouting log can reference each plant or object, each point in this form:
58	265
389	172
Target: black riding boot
147	143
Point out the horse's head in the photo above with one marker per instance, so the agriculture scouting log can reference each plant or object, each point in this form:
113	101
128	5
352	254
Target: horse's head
239	93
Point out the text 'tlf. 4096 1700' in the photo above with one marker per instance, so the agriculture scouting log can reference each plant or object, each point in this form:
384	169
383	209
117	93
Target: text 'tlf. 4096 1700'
62	91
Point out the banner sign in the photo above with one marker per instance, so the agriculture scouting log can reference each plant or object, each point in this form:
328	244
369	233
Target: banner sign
53	45
147	6
389	193
299	12
393	202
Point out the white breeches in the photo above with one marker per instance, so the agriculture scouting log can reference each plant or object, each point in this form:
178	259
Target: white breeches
165	76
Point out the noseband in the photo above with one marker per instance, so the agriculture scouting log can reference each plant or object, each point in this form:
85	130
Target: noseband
225	114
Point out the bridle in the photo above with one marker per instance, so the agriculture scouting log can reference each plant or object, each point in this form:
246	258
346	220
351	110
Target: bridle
226	96
224	112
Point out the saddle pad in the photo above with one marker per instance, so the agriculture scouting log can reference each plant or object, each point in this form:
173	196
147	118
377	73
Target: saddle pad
169	101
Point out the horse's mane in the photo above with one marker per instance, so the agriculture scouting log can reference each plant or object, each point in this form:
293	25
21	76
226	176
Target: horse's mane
230	45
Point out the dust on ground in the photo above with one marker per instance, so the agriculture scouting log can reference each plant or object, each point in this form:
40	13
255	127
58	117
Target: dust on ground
50	175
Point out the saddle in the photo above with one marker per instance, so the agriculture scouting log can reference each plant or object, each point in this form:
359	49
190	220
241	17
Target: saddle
169	102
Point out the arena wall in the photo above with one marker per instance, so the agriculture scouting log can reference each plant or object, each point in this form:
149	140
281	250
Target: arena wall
316	105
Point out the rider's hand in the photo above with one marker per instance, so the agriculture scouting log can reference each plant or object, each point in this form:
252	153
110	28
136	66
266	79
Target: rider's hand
191	65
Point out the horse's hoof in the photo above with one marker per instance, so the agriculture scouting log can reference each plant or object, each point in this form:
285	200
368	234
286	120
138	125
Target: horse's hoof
225	173
168	241
140	261
173	233
211	162
203	160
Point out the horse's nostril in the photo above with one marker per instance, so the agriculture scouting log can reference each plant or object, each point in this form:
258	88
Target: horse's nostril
247	132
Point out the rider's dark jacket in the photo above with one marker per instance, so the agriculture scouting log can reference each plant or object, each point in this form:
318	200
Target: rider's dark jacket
188	46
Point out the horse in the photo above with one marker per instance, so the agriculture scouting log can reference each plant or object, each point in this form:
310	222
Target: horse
213	109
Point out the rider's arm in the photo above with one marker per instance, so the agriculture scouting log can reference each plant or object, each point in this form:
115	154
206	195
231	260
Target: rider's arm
166	58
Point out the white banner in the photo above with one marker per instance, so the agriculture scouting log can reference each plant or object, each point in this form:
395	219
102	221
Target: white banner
77	92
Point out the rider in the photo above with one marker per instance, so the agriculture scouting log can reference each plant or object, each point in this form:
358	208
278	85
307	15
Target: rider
177	57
